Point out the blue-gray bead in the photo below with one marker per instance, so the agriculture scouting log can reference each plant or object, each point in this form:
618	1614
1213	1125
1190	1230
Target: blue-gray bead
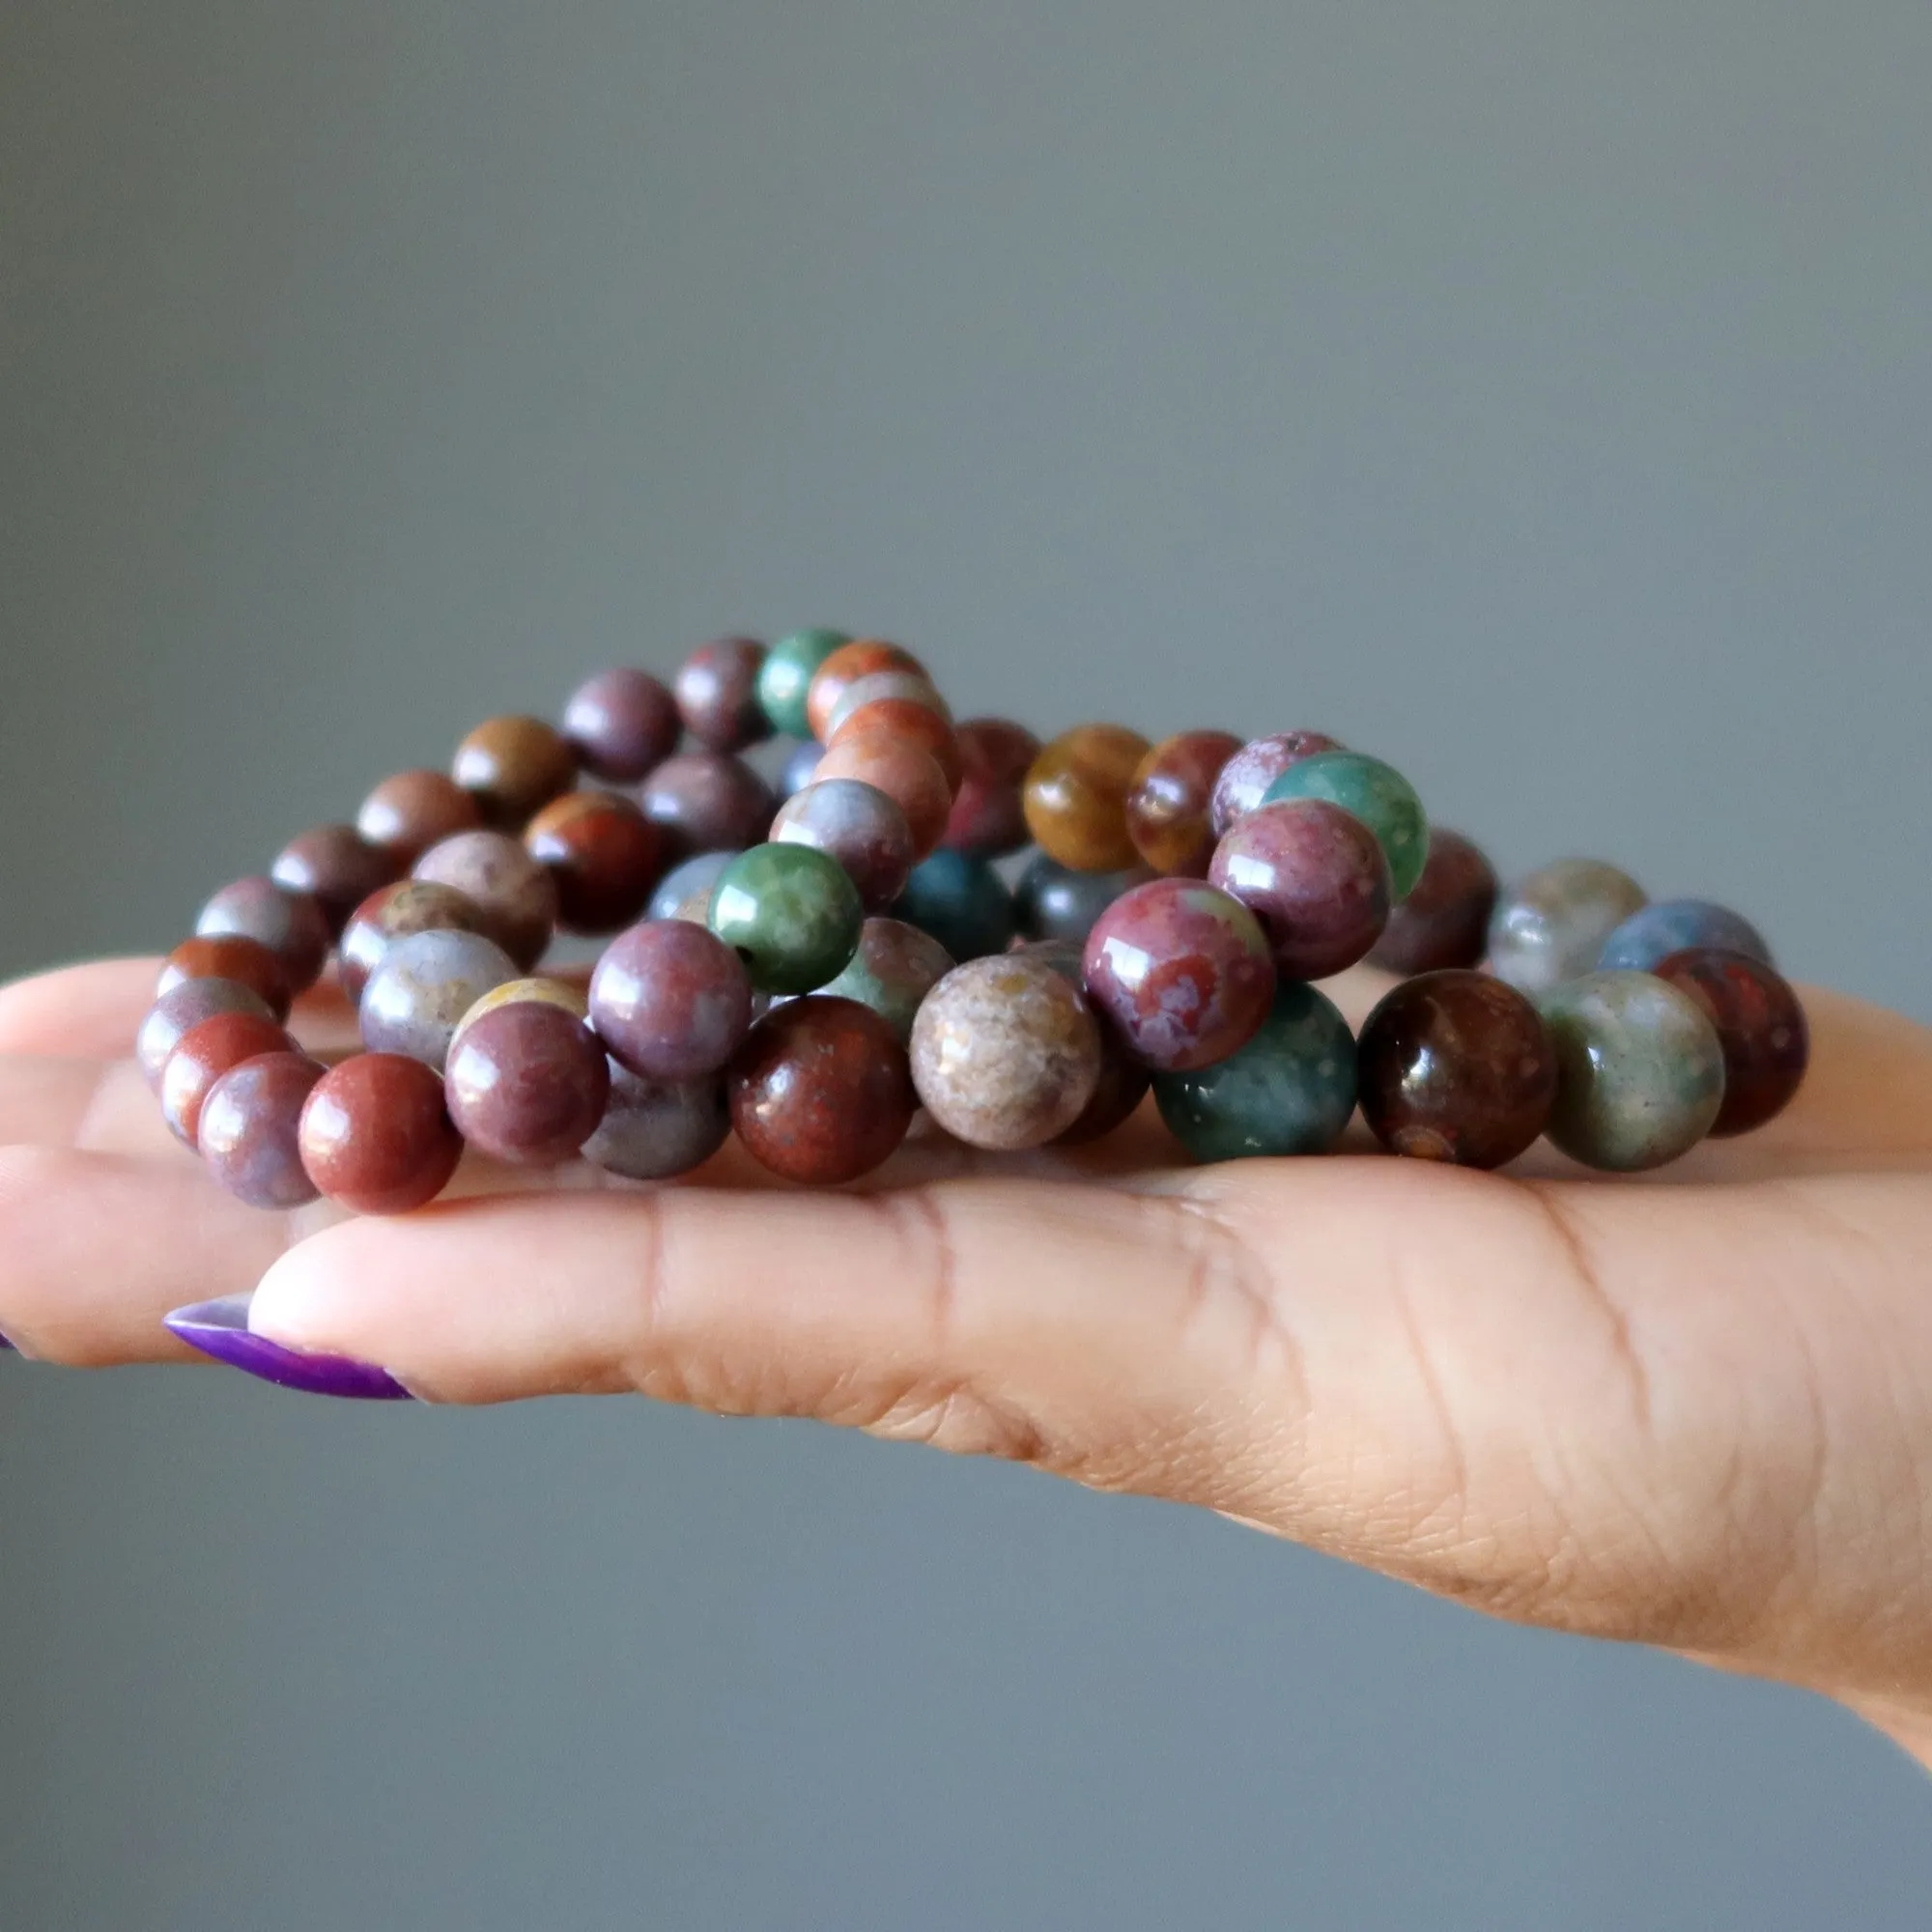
423	987
652	1129
685	891
1647	938
1551	926
1053	901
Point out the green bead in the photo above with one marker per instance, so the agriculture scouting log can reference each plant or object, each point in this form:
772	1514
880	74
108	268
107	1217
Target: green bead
961	901
791	913
786	675
1290	1089
1376	794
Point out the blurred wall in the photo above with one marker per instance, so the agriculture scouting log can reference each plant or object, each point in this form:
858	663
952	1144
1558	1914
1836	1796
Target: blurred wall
1538	394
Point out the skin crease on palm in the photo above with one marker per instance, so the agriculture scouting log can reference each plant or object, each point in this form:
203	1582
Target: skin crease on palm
1691	1409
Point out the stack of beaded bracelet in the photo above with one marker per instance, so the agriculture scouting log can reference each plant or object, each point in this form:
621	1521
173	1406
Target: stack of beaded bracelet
811	991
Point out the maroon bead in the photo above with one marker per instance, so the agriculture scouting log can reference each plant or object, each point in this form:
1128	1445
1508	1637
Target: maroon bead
821	1090
513	767
376	1135
203	1055
1445	920
707	801
1315	876
1256	766
716	689
515	896
1124	1081
290	924
1183	970
182	1008
1454	1065
621	724
1170	804
671	1000
392	913
1761	1027
337	867
527	1082
251	1129
410	812
858	825
603	854
228	956
988	816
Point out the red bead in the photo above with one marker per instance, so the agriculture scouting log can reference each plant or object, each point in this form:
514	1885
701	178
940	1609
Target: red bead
671	1000
717	691
906	773
527	1082
184	1007
1445	920
203	1055
228	956
1761	1027
844	668
911	721
290	924
1169	805
337	867
621	724
376	1135
1315	876
249	1129
987	816
603	854
513	767
410	812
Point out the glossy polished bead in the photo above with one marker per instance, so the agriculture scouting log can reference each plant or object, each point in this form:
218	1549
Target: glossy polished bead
182	1008
1183	970
989	814
528	1083
671	1000
228	956
820	1091
1248	774
1665	927
800	767
544	988
1551	925
1124	1081
290	924
1315	876
1053	901
908	720
786	677
961	901
1075	797
790	913
422	987
1641	1071
907	774
620	723
515	896
249	1129
910	687
337	867
408	814
860	827
844	668
1378	794
717	691
707	801
203	1054
1761	1028
376	1135
1456	1067
1445	921
895	966
513	767
1005	1052
393	913
605	856
685	892
1290	1091
1169	804
653	1129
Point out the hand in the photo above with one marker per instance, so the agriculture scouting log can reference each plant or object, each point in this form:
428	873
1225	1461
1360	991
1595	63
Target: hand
1693	1410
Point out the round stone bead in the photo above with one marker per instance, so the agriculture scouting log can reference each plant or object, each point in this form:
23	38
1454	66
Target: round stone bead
337	867
393	913
376	1135
989	814
1290	1091
182	1008
716	689
1677	925
246	963
409	811
1641	1071
1445	921
911	687
707	801
685	891
1183	970
1053	901
1551	925
1457	1067
1169	804
620	723
1315	876
786	677
961	901
895	966
1378	794
566	995
800	767
290	924
1124	1081
906	773
422	987
1075	797
528	1083
1761	1028
820	1091
910	722
513	767
844	668
1248	774
249	1129
790	913
1005	1052
860	827
653	1129
671	1000
203	1054
603	854
514	895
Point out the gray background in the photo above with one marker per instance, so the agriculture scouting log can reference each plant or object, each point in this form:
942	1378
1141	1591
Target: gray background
1538	394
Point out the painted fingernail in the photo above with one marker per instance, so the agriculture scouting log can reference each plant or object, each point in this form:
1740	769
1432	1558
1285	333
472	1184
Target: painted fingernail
221	1329
5	1344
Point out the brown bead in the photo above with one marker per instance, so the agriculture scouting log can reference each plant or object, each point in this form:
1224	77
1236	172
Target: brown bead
1170	805
394	912
621	724
706	802
516	897
290	924
249	1131
905	773
203	1055
513	767
716	689
1761	1027
228	956
337	867
820	1091
182	1008
912	722
527	1082
1076	797
410	812
987	816
849	662
376	1135
1445	920
605	854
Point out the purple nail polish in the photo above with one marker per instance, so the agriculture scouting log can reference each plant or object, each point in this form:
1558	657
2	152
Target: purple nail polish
5	1344
221	1329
